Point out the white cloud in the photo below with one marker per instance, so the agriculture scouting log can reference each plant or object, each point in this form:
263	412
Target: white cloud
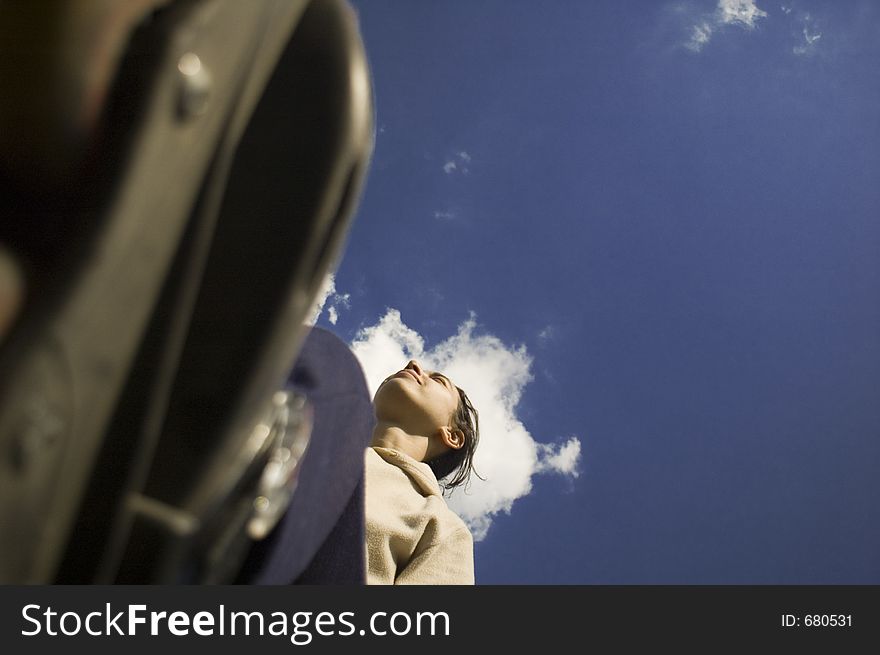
444	215
743	13
327	293
746	14
494	376
562	458
740	12
459	162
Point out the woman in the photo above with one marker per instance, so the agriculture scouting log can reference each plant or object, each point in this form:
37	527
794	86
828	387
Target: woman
421	429
426	430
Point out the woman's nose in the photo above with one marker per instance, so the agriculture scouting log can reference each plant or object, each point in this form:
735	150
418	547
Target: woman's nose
415	366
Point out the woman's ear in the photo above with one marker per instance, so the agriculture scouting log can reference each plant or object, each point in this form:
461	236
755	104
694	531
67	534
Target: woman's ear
452	437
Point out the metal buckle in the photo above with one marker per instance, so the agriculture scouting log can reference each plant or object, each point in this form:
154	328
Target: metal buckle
289	433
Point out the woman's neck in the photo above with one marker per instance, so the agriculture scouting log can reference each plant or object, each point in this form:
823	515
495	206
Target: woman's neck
389	435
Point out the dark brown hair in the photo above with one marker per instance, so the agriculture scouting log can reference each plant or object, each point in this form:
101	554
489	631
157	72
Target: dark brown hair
454	467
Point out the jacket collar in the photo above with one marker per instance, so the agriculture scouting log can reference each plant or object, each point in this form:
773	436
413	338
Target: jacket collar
419	472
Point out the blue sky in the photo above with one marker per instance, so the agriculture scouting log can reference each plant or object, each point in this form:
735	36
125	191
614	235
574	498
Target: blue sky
646	234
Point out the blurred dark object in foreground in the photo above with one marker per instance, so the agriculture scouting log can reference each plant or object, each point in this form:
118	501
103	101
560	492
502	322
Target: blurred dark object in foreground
177	178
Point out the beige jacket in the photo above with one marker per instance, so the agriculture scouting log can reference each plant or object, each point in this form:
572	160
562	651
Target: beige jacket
412	536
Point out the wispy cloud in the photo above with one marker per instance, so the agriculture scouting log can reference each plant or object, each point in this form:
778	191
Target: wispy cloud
494	376
444	215
546	334
742	13
808	43
810	35
459	163
700	36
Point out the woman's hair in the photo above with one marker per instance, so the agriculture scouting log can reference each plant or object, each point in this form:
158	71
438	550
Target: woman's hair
457	465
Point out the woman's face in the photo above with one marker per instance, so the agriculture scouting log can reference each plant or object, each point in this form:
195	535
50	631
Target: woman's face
418	401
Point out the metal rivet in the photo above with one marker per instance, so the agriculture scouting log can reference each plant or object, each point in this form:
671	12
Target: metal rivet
195	86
